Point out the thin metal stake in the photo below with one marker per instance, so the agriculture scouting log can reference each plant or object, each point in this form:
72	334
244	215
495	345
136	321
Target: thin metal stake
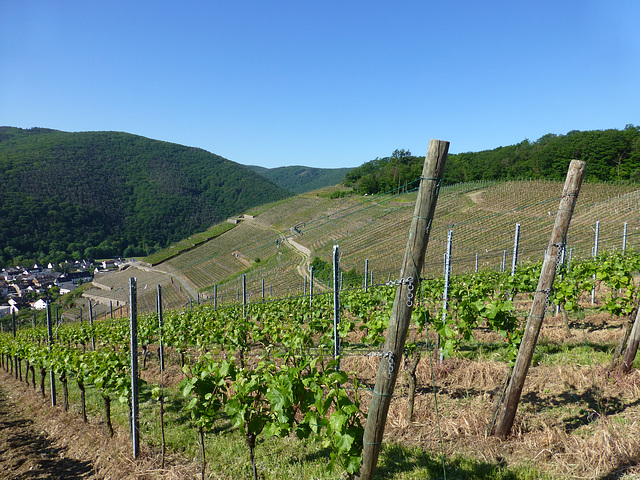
52	374
515	250
336	304
133	329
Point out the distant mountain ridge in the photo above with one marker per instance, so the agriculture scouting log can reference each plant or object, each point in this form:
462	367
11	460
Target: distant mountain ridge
299	179
100	194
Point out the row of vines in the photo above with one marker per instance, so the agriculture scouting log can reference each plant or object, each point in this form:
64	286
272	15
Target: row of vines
270	370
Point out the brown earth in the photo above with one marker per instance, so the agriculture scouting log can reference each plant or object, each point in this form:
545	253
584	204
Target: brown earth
41	442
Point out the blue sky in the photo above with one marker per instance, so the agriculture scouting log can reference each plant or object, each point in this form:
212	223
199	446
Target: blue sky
321	83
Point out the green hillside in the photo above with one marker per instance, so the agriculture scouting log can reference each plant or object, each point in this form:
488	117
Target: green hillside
267	247
299	179
100	194
612	155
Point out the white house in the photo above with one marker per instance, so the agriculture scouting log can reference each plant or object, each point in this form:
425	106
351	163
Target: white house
40	305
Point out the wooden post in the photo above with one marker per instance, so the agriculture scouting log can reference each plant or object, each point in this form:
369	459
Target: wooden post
632	345
366	273
545	283
403	304
311	286
244	295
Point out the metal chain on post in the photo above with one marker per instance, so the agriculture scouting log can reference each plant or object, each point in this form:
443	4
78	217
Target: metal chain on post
412	263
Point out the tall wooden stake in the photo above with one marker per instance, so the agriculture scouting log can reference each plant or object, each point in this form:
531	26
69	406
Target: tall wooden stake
557	243
403	304
632	344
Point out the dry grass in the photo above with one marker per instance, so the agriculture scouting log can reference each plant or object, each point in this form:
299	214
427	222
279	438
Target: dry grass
575	419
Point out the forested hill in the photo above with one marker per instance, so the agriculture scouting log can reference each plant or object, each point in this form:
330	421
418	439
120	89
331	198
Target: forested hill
100	194
611	155
299	179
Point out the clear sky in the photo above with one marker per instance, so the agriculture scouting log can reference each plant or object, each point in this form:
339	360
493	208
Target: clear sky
321	83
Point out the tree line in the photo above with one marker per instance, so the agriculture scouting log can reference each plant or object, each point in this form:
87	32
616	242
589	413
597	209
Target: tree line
611	155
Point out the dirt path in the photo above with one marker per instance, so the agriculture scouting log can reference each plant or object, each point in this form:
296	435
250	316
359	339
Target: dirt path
301	250
27	452
38	441
305	256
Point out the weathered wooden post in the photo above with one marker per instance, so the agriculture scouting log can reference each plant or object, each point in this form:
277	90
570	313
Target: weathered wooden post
516	242
244	295
557	243
403	307
632	344
595	254
311	286
13	327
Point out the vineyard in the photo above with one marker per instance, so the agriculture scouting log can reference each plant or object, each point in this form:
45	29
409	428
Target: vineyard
277	364
482	215
262	378
272	250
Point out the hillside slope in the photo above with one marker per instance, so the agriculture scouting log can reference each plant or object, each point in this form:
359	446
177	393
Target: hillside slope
298	179
99	194
276	244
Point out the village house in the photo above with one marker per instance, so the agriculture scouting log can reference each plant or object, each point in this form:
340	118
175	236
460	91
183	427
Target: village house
39	305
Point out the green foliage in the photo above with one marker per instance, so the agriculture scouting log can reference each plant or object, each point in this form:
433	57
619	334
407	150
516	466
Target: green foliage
333	194
323	272
385	174
101	194
299	179
611	155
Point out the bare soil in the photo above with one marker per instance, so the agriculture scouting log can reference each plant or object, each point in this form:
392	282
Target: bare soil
38	441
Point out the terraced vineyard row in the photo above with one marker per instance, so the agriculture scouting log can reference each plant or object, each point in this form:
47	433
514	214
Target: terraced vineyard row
483	216
268	372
